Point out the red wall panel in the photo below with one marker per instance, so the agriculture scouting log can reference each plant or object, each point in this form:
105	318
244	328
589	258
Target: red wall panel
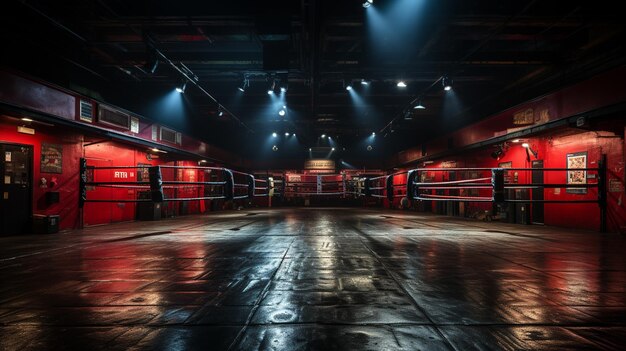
553	151
66	182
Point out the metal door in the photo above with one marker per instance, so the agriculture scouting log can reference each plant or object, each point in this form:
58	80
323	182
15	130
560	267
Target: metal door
16	188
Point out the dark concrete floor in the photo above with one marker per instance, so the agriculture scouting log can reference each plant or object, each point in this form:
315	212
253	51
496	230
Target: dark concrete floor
314	279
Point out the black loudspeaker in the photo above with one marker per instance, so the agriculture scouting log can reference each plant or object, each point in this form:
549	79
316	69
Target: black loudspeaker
276	55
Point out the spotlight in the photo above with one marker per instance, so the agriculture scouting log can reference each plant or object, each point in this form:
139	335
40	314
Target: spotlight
274	148
220	112
270	92
373	133
515	141
270	89
497	154
364	82
244	84
274	135
282	112
323	135
447	83
401	84
419	106
369	147
152	61
332	149
310	149
181	89
27	119
367	4
286	134
294	134
529	150
348	87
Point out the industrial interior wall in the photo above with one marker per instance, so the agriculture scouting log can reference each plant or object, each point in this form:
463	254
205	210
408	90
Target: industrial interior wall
115	154
553	150
52	139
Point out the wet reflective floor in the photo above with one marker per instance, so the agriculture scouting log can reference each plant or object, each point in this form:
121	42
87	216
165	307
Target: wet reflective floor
314	279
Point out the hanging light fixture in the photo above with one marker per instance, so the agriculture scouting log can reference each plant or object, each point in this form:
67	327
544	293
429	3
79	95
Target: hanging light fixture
419	105
447	83
181	89
244	84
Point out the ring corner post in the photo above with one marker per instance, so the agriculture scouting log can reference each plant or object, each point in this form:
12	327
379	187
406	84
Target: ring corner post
389	186
602	192
251	186
82	186
410	184
497	184
229	185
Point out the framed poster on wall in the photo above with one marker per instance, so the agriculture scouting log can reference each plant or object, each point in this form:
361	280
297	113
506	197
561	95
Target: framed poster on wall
51	158
574	161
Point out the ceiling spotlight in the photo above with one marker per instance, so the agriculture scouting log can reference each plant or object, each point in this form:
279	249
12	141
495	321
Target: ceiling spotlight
373	133
367	4
515	141
401	84
525	145
283	89
419	106
270	89
244	84
220	111
348	87
286	133
294	134
282	112
27	119
274	135
364	82
332	149
310	149
447	83
274	148
369	147
181	89
323	135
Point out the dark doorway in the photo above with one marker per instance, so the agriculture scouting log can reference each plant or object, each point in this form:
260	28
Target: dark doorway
16	188
537	193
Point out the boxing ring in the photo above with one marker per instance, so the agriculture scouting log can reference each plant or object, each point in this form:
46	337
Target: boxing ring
469	185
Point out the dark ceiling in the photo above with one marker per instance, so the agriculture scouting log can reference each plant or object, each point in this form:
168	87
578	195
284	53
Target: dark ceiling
497	53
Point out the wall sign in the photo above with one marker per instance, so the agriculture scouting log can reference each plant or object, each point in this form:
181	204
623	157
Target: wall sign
320	164
524	117
51	158
576	160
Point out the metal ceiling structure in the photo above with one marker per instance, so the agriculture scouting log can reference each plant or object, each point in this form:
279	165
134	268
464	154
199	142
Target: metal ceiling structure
497	53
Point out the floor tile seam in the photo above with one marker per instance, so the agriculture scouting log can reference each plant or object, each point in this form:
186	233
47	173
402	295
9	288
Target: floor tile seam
261	295
397	281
